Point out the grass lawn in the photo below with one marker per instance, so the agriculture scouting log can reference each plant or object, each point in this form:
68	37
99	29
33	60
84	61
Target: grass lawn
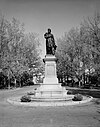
91	92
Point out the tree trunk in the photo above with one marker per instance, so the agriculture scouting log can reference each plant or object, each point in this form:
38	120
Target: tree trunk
79	83
15	82
8	83
8	80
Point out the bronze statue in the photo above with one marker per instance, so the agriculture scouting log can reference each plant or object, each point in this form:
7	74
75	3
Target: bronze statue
50	43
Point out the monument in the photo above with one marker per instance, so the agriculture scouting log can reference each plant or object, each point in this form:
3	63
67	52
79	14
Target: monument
51	89
50	92
50	59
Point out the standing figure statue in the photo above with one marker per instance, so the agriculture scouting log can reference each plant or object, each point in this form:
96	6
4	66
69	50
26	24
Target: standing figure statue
50	43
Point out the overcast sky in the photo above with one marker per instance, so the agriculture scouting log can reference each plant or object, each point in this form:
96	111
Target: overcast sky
59	15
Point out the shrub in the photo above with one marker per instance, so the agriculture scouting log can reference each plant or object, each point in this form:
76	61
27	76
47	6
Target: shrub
25	98
69	92
78	97
29	83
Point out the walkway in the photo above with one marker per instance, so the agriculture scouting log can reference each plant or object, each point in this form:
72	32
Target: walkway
87	115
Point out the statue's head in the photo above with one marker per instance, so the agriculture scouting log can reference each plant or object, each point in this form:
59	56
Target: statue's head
49	30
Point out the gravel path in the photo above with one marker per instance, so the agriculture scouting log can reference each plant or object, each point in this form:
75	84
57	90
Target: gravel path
86	115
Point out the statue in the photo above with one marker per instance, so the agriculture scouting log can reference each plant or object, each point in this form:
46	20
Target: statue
50	43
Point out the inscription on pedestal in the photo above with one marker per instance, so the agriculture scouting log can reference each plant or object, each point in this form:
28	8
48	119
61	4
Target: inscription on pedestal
50	70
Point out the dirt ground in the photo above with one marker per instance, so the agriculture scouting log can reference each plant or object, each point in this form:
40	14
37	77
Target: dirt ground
85	115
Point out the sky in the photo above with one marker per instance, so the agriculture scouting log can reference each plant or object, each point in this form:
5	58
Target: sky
39	15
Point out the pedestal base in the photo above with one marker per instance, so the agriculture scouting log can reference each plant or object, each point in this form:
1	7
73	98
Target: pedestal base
50	89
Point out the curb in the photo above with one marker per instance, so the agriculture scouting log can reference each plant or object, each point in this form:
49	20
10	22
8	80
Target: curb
15	101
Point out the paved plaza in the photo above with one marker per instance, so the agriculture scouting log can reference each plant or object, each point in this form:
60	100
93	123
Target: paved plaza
85	115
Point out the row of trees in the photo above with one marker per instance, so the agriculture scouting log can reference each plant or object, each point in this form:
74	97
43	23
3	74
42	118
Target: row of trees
19	53
78	51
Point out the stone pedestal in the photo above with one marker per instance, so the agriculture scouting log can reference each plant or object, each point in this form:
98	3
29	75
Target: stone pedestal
50	70
50	88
